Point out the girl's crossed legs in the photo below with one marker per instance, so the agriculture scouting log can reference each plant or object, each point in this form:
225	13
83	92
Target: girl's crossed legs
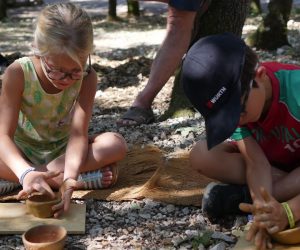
103	150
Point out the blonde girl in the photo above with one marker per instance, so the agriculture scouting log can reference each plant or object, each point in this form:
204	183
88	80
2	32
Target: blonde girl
46	105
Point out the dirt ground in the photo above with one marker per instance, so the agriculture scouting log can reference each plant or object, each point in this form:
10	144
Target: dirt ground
122	58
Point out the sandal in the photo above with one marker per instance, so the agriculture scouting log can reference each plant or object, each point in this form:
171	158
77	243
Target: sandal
135	116
8	186
93	179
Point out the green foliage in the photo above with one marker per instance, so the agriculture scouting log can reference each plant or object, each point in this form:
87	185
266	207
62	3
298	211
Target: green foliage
176	111
204	238
251	39
295	11
254	10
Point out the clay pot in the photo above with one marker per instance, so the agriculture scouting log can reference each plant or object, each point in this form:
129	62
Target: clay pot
290	236
41	205
45	237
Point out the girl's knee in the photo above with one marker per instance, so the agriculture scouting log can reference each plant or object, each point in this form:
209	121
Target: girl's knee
112	140
121	142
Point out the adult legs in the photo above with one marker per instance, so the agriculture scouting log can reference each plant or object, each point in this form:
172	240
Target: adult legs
168	58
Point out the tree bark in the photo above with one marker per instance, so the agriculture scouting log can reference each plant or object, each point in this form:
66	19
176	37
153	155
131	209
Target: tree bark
214	21
112	10
221	16
133	8
3	7
272	32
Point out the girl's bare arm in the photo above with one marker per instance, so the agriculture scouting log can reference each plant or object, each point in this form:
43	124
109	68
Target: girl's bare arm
10	102
78	143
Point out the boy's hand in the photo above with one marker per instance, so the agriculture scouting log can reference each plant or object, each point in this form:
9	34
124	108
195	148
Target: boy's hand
259	236
35	181
268	214
66	190
272	215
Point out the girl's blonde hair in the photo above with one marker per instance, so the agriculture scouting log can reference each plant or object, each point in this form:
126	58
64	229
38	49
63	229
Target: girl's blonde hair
64	28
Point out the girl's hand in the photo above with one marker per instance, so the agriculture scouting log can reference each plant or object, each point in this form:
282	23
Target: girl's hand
35	181
66	190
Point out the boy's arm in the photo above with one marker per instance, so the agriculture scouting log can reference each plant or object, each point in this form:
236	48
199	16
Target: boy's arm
271	214
258	174
77	147
292	217
258	168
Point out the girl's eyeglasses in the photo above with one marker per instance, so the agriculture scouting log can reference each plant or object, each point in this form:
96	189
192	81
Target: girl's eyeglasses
55	74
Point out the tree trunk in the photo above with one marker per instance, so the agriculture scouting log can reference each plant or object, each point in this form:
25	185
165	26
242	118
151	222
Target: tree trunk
212	22
272	32
215	21
133	8
112	10
3	7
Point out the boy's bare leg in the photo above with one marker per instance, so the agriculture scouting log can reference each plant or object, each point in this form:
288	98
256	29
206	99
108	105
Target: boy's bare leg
223	162
288	186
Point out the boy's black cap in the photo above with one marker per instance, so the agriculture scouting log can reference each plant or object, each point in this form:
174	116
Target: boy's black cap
210	76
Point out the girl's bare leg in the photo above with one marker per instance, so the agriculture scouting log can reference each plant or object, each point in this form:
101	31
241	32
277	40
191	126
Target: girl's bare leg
6	173
104	149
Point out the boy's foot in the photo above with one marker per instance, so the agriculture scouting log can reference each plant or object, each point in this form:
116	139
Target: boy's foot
223	199
135	116
8	186
99	179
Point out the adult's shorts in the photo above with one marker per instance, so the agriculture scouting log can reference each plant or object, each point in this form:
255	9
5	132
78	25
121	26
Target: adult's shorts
188	5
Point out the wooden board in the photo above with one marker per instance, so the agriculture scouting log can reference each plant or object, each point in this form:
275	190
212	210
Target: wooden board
243	244
14	219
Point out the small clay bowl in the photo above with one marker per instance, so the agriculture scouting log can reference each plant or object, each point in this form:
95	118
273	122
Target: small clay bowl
41	205
45	237
290	236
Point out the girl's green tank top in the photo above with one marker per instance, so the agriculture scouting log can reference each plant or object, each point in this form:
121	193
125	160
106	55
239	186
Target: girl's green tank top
44	119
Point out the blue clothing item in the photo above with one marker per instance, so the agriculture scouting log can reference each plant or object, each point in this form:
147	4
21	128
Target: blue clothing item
189	5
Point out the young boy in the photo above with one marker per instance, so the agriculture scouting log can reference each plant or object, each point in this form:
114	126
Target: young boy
257	105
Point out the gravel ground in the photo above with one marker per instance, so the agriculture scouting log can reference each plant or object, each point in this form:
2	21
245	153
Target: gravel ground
144	224
123	69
